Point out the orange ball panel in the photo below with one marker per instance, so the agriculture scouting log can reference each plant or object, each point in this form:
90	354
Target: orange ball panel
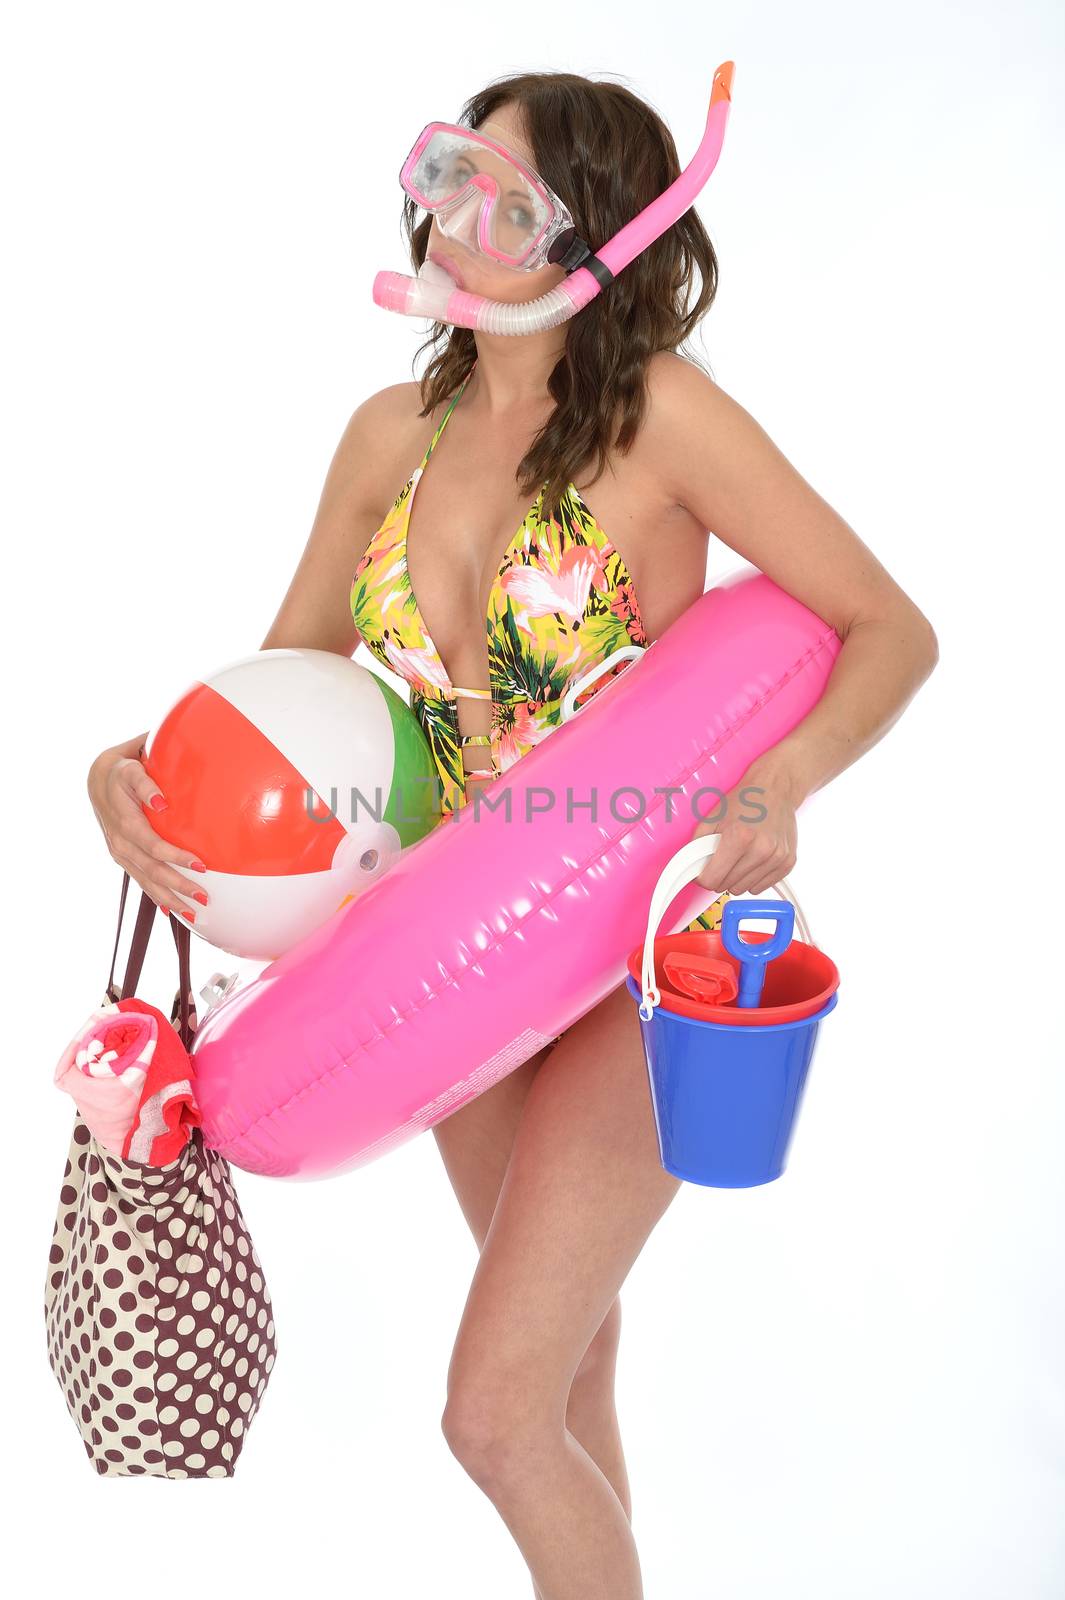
232	797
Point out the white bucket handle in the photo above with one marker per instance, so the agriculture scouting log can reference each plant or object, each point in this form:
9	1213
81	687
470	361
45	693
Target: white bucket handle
679	870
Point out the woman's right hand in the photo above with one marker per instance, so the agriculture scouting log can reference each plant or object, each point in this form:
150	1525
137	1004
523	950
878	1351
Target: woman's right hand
118	786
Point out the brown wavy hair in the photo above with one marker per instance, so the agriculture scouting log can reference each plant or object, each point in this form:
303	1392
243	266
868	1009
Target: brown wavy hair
576	127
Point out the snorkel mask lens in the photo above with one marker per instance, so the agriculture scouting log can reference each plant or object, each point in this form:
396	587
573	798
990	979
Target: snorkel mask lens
484	196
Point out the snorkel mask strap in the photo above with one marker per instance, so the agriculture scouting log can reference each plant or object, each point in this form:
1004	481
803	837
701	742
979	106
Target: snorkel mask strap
434	294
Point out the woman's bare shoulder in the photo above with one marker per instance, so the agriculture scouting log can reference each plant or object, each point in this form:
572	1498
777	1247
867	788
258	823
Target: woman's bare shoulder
395	404
380	435
367	468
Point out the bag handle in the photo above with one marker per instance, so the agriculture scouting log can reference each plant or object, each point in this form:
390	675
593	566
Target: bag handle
183	1011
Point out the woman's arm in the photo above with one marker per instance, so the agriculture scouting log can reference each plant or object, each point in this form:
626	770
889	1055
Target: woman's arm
722	466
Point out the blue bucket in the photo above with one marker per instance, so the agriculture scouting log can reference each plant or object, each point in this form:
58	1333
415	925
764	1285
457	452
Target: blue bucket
726	1088
725	1098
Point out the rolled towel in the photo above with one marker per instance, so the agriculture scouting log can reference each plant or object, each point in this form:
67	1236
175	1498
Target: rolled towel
104	1069
131	1078
167	1110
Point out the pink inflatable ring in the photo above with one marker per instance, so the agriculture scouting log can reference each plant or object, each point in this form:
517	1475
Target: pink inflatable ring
495	933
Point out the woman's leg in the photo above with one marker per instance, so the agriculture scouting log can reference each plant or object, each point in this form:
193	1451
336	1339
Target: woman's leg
475	1145
583	1188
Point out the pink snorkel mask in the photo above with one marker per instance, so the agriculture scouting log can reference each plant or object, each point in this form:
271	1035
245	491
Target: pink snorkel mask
487	198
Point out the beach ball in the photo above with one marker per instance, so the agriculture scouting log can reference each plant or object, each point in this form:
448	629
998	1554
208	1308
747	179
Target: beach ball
297	777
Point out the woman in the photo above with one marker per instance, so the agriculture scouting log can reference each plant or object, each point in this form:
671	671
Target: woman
556	1168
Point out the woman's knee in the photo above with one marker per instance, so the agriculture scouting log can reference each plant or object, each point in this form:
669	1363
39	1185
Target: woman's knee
496	1435
598	1363
490	1424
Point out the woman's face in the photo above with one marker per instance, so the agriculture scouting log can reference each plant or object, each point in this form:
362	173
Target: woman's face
471	267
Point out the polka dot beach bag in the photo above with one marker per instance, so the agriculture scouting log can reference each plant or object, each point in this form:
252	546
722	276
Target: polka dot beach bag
160	1325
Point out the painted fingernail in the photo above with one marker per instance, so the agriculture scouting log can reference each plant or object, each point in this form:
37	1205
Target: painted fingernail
189	915
157	802
164	911
199	895
197	866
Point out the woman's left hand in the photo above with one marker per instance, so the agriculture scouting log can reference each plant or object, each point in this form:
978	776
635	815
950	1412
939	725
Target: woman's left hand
759	834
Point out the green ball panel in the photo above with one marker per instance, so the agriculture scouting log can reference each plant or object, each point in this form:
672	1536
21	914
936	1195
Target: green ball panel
413	806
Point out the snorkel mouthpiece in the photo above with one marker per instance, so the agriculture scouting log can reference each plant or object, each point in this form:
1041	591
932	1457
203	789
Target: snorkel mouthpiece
427	295
434	294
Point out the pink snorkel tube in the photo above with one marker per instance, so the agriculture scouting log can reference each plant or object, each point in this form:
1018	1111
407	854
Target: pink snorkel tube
434	294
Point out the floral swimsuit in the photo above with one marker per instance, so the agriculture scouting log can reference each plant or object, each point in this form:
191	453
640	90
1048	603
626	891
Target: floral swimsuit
561	602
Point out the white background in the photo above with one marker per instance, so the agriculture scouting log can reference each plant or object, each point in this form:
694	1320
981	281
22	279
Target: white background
847	1383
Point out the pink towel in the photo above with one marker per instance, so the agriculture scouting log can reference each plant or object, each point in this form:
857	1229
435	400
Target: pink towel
132	1081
